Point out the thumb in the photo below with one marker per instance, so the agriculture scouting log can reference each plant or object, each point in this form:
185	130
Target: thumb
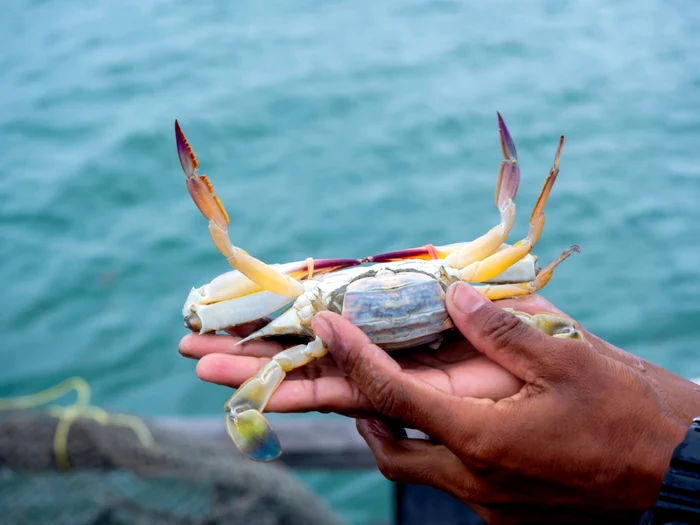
500	335
393	393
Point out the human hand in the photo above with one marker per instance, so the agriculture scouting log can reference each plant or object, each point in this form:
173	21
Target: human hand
457	367
587	437
321	386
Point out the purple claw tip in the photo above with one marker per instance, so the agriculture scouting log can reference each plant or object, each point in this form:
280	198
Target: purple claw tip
507	144
188	161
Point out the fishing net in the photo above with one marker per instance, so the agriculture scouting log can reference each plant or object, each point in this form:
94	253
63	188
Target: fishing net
80	465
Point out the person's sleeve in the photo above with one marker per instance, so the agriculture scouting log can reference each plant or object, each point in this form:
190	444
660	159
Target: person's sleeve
679	499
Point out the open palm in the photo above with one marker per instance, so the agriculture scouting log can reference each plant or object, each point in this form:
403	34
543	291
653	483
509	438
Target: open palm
456	368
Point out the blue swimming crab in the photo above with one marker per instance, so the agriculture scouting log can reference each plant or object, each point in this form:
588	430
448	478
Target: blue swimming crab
396	298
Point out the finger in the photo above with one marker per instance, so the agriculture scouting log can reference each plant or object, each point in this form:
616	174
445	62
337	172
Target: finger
233	371
418	461
531	304
472	377
617	354
519	348
325	393
402	459
534	304
393	393
228	370
196	346
318	386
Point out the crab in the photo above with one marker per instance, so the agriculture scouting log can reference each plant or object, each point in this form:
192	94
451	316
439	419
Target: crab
396	298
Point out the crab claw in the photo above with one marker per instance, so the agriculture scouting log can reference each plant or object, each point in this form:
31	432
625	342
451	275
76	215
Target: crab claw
202	193
201	190
188	160
509	178
459	255
537	216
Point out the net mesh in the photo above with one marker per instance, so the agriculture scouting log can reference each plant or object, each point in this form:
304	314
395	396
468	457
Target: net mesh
80	468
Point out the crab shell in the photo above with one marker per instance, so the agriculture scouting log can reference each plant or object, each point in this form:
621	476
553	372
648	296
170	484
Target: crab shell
398	305
398	309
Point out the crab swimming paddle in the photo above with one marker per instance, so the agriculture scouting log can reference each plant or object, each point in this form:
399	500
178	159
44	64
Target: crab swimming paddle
253	435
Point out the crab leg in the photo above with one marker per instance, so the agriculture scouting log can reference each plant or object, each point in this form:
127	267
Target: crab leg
205	318
231	285
554	325
503	291
507	188
459	255
249	430
493	265
202	192
232	299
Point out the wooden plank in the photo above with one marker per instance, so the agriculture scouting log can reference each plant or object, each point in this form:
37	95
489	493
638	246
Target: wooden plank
327	443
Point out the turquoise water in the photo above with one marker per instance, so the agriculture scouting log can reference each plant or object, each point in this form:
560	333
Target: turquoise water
332	129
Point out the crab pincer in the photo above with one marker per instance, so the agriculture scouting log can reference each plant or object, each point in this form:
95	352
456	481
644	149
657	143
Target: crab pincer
460	255
202	193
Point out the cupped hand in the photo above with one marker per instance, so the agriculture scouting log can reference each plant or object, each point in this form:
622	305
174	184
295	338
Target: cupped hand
321	386
587	437
456	368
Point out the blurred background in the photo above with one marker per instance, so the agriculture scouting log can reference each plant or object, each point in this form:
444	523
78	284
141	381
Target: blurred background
332	129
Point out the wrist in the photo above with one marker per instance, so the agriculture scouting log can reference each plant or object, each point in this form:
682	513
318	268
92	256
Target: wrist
649	451
679	495
672	435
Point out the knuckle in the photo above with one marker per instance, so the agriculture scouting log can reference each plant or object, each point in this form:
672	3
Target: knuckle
387	467
482	453
385	397
503	328
356	396
486	450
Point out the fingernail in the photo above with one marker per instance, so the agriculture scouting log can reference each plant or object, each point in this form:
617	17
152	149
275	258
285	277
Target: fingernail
466	298
323	329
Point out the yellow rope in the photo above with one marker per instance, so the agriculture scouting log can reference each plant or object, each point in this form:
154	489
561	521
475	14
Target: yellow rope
66	415
77	384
